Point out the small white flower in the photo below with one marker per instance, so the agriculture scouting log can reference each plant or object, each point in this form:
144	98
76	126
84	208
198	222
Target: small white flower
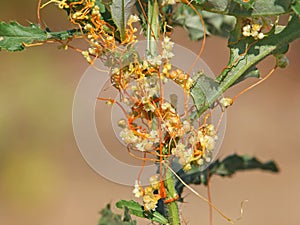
140	147
154	181
96	11
138	190
122	123
167	43
208	159
254	33
247	30
189	83
180	147
169	2
155	61
149	107
153	136
92	51
145	65
133	19
260	35
128	136
167	54
186	126
165	106
86	55
254	29
187	167
226	102
88	26
76	15
247	27
200	162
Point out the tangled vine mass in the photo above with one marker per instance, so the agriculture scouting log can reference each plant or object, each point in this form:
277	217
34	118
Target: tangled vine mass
153	129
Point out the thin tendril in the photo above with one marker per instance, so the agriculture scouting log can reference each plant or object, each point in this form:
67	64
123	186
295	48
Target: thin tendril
201	197
254	85
204	34
209	198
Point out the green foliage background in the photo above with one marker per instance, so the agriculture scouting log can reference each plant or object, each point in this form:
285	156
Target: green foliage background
44	180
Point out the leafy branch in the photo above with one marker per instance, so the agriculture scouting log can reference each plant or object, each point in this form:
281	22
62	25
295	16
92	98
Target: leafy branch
225	168
108	217
246	8
136	209
216	24
14	37
108	25
244	55
120	12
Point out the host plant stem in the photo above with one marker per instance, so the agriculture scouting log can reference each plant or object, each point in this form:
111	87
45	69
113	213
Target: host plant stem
152	37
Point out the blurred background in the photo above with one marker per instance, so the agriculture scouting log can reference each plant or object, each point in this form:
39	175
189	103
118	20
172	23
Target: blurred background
45	181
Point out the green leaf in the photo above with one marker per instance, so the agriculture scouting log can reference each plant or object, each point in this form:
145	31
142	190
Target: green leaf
216	24
251	8
252	72
136	209
247	4
115	58
127	216
296	7
63	35
225	168
234	163
101	6
203	91
157	217
110	218
120	11
246	53
189	20
13	36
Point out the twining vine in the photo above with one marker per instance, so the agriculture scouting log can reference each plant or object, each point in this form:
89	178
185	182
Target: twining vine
151	125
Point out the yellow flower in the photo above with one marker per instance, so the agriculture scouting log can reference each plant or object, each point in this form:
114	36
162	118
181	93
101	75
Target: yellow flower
226	102
132	19
154	181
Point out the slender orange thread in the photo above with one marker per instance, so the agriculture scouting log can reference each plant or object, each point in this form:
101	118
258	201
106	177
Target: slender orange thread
204	34
209	197
254	85
39	13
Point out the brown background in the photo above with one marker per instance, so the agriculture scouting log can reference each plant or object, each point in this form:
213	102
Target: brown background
45	181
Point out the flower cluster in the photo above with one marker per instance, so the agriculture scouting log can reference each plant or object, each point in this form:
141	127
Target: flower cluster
196	147
100	35
165	56
167	46
139	140
153	125
181	78
254	27
150	193
152	120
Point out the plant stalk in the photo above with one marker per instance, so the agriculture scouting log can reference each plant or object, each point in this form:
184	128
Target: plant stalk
153	27
173	213
152	37
267	46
